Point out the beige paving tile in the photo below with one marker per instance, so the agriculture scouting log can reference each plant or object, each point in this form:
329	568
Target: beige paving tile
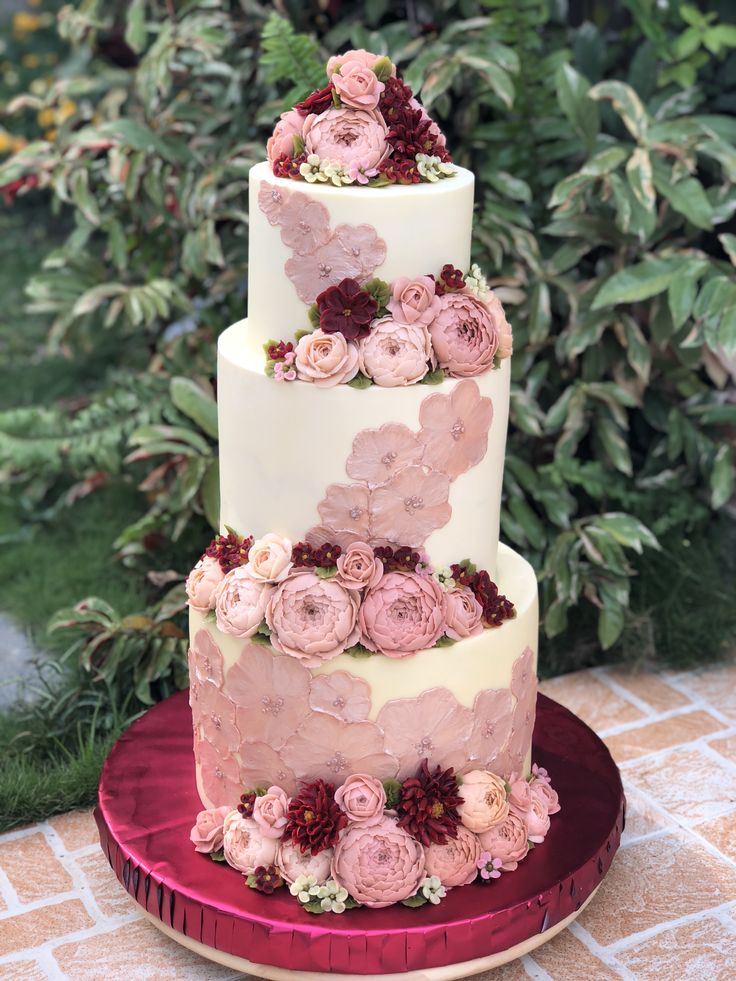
654	882
76	829
716	686
663	734
721	832
136	951
592	700
22	971
33	869
650	688
568	959
726	747
687	783
110	896
3	905
509	972
641	817
704	950
25	930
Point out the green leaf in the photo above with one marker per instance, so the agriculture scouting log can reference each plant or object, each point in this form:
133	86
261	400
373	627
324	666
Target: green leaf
637	349
540	314
627	530
210	494
218	856
626	103
360	381
313	314
727	331
359	651
314	906
379	289
197	404
415	901
610	625
445	641
681	294
574	100
688	198
136	33
435	377
512	187
722	477
639	173
605	162
392	787
639	282
728	242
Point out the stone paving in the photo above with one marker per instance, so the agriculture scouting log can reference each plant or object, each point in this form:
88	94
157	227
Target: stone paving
665	912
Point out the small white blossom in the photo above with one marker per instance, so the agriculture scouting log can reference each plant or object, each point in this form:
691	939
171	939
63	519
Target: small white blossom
477	282
305	888
332	897
444	578
311	170
336	172
433	890
431	168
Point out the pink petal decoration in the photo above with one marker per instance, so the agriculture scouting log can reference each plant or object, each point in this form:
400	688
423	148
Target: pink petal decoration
220	775
492	718
378	454
326	266
345	507
434	726
195	690
305	224
455	429
263	766
362	243
412	505
326	747
271	692
341	694
217	719
320	535
522	672
524	686
271	201
207	657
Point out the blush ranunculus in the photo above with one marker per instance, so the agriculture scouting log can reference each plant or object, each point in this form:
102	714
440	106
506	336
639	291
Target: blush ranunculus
347	135
379	864
207	833
326	359
395	354
362	798
520	794
312	619
269	812
403	614
269	559
293	862
465	333
507	840
357	85
202	582
358	567
240	603
456	862
414	301
245	845
281	142
366	59
463	613
484	801
542	789
536	818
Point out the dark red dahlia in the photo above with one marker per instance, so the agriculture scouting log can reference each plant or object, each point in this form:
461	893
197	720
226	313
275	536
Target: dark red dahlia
230	550
278	352
450	280
314	820
496	608
346	309
402	559
247	801
395	97
317	102
265	878
427	808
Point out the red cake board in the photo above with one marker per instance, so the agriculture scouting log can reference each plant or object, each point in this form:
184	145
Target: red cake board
148	801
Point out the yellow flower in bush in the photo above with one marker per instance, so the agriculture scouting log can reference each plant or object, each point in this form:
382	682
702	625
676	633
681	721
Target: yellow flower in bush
66	109
6	142
46	117
25	23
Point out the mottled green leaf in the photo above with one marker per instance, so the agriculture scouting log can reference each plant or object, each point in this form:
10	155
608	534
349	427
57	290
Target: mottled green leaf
688	197
722	477
197	404
626	103
580	109
639	282
135	25
610	624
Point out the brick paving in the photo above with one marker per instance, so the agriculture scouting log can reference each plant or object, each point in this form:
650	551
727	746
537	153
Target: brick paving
665	912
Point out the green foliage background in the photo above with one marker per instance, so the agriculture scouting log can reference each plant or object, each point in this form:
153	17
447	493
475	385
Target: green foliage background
604	144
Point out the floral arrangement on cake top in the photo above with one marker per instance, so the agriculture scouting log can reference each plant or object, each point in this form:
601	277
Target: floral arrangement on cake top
375	843
315	602
420	329
364	127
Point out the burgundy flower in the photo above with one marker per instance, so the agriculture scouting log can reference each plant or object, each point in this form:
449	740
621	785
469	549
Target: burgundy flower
286	166
306	556
402	559
346	309
496	608
314	820
427	808
450	279
407	171
317	101
394	99
266	878
247	801
278	351
231	551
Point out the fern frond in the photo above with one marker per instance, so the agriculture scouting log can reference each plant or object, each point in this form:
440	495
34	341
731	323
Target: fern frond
292	57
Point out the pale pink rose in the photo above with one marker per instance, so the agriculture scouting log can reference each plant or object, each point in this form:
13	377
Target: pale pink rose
463	613
271	201
358	567
484	801
246	847
326	359
290	124
347	135
505	337
240	603
260	764
379	864
328	265
362	797
403	614
395	354
366	59
219	775
202	582
206	659
414	301
325	747
492	715
410	506
536	818
305	224
362	244
520	794
465	334
312	619
341	694
380	453
269	812
545	793
292	862
455	429
217	719
456	862
269	559
357	85
507	840
346	507
207	833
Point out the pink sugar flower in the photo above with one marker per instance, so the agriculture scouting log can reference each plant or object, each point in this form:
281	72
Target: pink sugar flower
347	134
464	613
271	201
324	747
492	717
341	694
269	812
507	840
219	774
327	265
207	833
410	506
456	862
544	792
217	719
346	507
395	354
206	658
293	862
489	867
414	301
202	583
283	376
403	614
358	567
289	125
455	429
305	224
362	245
362	798
378	454
466	333
361	171
357	85
261	765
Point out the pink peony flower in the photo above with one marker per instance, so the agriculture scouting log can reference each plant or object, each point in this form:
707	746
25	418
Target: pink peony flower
455	429
326	359
281	142
219	775
378	454
414	301
359	56
505	337
246	847
269	559
358	567
546	794
240	603
327	266
455	863
312	619
271	201
463	613
207	659
362	797
325	748
403	614
345	507
433	726
269	812
357	85
410	506
202	582
293	862
217	719
260	765
395	354
362	245
484	801
207	833
379	864
341	694
507	840
345	135
305	224
536	818
492	714
465	334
